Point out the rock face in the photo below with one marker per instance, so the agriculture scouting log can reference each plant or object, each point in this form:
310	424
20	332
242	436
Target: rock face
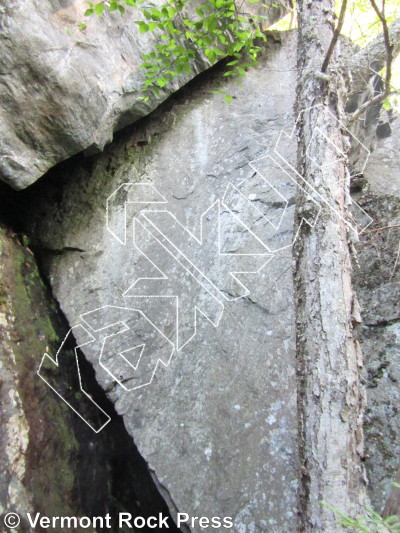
37	441
378	288
49	460
64	90
217	426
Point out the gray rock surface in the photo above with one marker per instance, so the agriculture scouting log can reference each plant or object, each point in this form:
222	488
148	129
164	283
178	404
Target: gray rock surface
63	90
37	438
42	442
378	289
218	427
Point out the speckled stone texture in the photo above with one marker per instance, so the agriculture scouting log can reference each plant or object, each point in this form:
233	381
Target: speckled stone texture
378	288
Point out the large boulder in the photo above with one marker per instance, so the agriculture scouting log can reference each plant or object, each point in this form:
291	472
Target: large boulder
218	426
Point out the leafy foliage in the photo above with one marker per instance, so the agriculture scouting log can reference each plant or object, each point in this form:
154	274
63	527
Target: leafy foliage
362	23
372	522
210	31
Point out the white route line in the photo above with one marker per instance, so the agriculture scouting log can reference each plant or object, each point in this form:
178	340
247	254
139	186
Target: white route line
47	357
127	328
176	296
304	179
147	188
145	194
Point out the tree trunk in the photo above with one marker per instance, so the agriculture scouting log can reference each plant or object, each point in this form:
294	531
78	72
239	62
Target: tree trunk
330	398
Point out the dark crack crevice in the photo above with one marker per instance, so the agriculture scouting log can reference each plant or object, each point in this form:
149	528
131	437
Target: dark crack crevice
111	459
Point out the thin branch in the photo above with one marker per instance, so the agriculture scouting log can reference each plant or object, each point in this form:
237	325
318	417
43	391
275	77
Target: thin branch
380	229
335	36
389	57
395	264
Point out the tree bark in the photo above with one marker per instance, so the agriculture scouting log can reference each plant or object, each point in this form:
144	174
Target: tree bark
330	398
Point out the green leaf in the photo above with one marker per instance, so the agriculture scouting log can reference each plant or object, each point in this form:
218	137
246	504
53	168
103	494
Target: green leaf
143	27
171	28
219	52
386	104
210	54
155	14
113	6
237	46
171	44
393	520
89	12
228	98
211	24
82	26
99	8
121	9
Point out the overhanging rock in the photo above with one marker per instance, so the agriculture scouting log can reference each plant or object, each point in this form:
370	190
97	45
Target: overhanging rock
63	90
